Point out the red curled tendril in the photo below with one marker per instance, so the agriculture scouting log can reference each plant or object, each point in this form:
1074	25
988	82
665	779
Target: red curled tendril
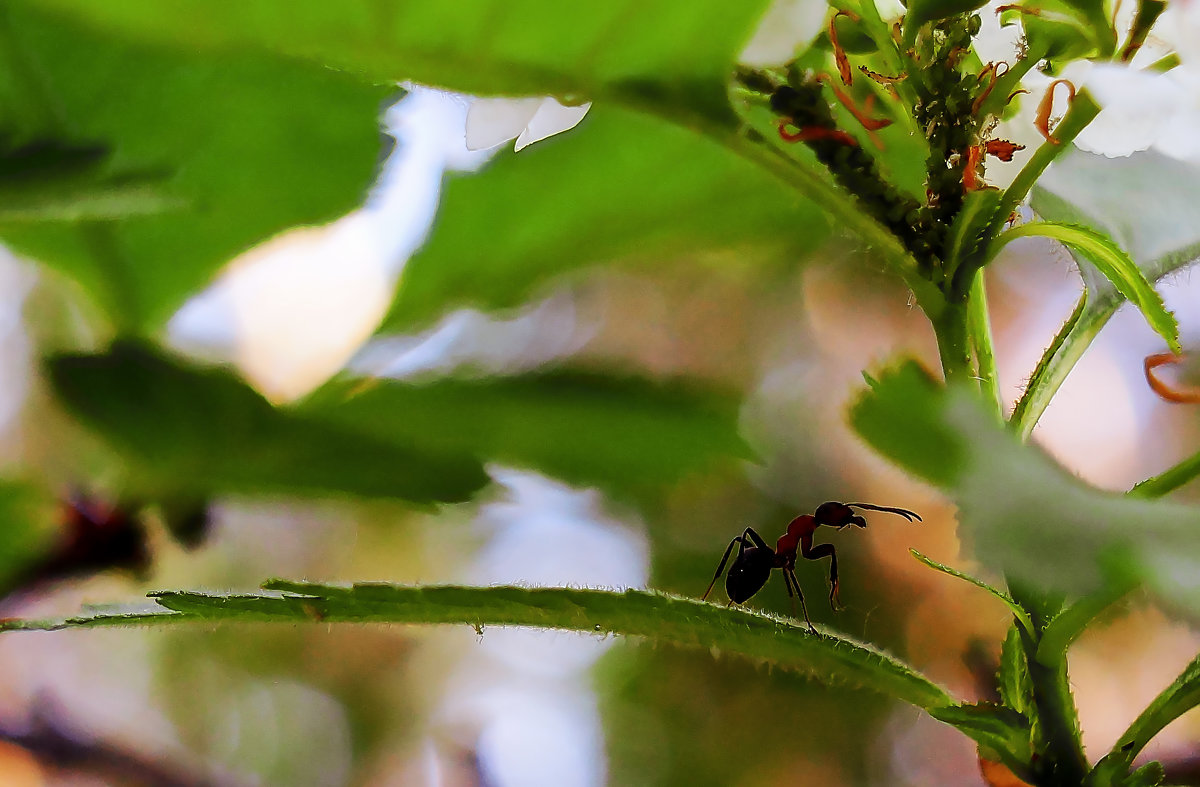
1180	395
813	133
1047	106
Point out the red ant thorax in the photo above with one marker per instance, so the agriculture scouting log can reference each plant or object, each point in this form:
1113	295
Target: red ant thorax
800	527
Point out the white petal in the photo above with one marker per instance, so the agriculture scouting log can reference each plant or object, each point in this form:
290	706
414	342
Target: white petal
1135	106
551	118
491	121
787	25
995	43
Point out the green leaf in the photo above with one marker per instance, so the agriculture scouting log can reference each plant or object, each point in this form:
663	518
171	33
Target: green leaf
1113	263
1016	687
1145	203
1026	517
199	430
620	186
998	730
668	58
244	144
656	616
673	51
625	433
1021	616
1174	701
921	12
970	224
1064	29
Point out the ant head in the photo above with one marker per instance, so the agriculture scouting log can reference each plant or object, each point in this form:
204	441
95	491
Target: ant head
837	515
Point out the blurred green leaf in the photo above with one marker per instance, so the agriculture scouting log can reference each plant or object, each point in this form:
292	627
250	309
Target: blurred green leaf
1026	517
198	430
621	185
47	181
625	433
889	423
1112	263
669	51
248	143
26	517
826	656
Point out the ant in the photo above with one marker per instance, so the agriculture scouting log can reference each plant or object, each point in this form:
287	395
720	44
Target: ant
755	559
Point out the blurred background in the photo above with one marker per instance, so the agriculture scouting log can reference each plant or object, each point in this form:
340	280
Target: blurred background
370	705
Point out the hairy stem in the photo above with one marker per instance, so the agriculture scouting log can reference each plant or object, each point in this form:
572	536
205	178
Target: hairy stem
1083	110
1065	350
1063	761
1169	480
954	348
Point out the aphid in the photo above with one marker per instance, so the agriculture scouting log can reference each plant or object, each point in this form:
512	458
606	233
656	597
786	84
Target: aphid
756	559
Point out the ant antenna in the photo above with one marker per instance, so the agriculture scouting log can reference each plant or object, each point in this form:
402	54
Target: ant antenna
904	512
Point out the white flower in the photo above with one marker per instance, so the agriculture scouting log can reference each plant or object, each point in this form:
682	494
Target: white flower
494	121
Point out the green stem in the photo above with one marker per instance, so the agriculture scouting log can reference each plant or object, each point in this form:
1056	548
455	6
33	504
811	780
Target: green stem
1011	80
1063	761
950	327
1169	480
980	328
1083	110
1059	722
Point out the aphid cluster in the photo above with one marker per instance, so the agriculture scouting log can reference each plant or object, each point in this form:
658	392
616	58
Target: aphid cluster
951	106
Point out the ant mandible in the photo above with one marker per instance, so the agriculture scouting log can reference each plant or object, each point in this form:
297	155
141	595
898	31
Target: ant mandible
755	559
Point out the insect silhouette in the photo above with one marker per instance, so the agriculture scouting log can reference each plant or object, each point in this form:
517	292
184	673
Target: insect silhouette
756	559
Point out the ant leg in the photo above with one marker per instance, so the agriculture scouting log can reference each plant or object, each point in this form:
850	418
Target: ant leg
789	577
741	544
787	583
757	539
818	552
